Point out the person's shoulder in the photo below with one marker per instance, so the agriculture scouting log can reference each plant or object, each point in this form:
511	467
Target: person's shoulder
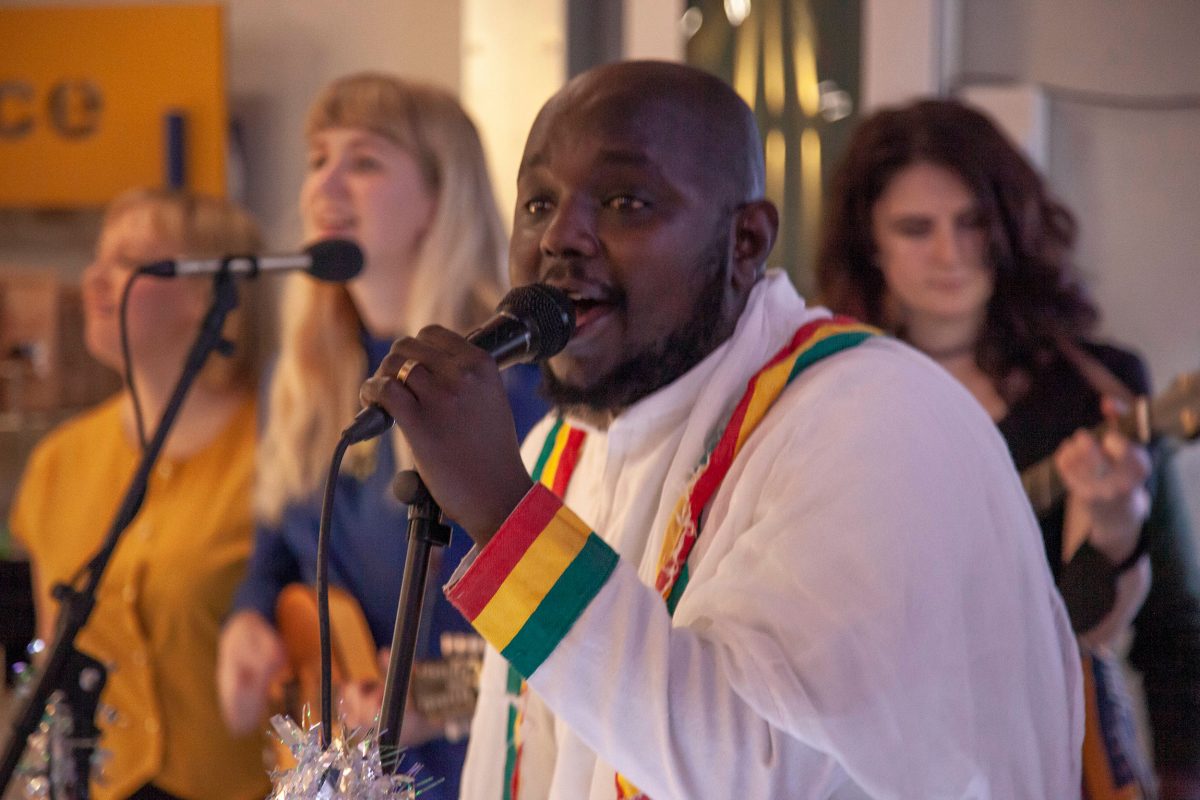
1126	365
57	455
880	356
99	420
891	405
880	373
884	383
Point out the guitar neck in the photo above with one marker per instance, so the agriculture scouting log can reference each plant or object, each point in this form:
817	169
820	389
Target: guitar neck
1043	485
1173	413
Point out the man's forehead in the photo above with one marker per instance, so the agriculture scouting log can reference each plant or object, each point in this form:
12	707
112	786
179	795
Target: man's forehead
619	112
613	134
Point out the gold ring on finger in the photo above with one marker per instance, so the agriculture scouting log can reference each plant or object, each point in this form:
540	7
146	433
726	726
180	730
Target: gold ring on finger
406	369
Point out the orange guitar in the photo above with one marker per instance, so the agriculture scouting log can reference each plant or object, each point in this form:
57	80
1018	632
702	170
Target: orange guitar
443	690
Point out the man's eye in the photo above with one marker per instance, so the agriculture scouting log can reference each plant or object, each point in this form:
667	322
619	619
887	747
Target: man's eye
626	202
537	206
315	161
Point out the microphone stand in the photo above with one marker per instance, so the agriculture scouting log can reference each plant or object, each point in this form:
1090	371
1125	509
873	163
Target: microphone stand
77	604
426	530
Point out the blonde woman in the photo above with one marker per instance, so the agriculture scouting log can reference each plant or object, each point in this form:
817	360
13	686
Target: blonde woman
169	584
397	167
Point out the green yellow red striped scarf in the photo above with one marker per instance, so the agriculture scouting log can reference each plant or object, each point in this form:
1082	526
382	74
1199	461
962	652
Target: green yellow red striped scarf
810	344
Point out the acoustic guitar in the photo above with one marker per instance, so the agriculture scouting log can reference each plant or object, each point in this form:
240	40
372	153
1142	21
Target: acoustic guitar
1175	412
443	690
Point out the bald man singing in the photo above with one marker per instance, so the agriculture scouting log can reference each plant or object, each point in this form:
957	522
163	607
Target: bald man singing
755	551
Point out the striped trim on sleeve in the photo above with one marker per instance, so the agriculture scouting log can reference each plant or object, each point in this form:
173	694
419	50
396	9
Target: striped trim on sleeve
533	580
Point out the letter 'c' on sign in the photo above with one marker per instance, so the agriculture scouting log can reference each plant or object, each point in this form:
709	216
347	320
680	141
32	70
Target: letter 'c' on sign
75	107
15	118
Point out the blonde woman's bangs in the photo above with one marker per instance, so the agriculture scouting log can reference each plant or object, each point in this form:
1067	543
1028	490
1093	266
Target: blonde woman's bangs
382	105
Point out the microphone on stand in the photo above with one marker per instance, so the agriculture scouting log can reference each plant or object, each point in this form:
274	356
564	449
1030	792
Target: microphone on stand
333	260
531	323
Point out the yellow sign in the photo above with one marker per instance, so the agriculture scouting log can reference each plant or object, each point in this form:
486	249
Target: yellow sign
92	98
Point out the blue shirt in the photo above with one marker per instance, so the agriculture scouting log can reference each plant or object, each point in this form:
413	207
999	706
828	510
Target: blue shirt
368	543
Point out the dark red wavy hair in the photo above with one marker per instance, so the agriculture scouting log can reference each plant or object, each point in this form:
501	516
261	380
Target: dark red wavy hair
1038	297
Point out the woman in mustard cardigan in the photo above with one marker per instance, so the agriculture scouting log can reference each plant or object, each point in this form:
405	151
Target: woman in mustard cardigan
169	583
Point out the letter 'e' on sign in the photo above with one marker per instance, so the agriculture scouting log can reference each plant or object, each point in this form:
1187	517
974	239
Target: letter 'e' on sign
85	93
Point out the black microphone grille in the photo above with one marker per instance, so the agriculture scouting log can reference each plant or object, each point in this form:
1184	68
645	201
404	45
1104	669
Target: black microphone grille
548	310
334	260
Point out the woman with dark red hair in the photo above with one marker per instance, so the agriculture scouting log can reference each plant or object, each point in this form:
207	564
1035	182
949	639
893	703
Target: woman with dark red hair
941	232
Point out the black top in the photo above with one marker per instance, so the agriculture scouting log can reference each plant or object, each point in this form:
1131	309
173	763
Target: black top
1166	645
1059	402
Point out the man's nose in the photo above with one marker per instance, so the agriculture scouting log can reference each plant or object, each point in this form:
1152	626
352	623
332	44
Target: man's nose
571	230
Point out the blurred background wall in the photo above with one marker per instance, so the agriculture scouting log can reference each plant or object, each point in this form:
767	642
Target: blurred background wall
1105	93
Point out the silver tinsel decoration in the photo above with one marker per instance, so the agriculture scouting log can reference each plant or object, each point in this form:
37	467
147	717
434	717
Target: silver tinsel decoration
47	767
352	767
47	770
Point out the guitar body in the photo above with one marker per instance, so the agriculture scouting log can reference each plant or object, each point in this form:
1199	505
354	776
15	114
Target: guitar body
296	690
353	648
444	690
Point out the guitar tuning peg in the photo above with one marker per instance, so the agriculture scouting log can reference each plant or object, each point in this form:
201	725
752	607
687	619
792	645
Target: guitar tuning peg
108	713
90	679
451	643
1189	421
100	759
460	644
96	763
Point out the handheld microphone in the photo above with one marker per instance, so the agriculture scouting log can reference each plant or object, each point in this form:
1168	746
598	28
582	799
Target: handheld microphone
333	260
531	323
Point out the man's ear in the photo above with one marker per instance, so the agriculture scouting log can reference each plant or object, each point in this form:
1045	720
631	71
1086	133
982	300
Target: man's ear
755	227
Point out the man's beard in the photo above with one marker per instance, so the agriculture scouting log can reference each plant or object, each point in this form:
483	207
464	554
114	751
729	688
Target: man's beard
658	365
